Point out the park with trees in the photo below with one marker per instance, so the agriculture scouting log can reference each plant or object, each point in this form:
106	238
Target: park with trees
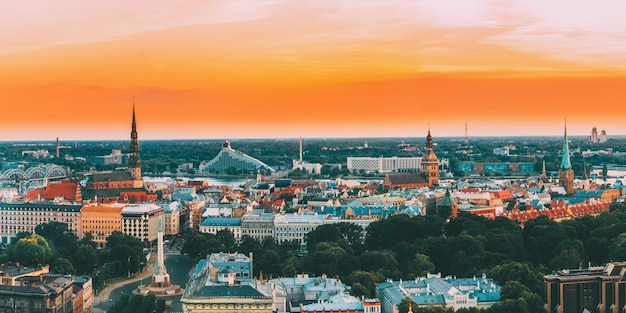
406	247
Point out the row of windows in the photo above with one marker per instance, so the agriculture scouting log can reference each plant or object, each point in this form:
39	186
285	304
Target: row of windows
39	213
287	228
229	306
257	231
290	234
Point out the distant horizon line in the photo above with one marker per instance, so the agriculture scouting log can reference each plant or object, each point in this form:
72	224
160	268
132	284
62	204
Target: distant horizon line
298	138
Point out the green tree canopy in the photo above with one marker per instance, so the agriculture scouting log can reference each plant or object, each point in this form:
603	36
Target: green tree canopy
32	251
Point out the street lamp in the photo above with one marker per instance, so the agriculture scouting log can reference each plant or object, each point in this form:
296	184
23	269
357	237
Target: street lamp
129	266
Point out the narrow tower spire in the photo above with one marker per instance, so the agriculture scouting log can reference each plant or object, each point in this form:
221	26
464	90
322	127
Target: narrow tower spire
566	174
300	149
430	165
565	161
134	161
544	174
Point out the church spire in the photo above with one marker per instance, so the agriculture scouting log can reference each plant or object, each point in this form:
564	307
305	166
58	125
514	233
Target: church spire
134	161
565	161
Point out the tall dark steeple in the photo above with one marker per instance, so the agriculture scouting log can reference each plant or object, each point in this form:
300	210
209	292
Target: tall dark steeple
566	174
134	161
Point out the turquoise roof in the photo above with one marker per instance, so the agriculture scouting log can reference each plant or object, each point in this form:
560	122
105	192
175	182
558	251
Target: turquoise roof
229	292
221	221
566	164
435	290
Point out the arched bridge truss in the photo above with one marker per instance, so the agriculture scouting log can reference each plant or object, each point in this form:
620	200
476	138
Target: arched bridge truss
35	172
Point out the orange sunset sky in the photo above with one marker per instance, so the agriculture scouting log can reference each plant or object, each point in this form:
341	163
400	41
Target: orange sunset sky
352	68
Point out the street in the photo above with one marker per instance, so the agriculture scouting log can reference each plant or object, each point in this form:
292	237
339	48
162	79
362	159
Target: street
178	267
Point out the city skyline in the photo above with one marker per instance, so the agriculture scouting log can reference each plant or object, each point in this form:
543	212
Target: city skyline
284	69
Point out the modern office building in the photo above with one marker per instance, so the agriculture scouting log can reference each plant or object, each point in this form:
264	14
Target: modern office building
141	221
593	289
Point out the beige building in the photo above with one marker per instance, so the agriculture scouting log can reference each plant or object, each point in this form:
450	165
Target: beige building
24	217
171	220
258	226
48	293
11	273
101	220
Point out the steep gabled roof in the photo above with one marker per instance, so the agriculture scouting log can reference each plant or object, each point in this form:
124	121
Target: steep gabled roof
404	178
112	176
68	191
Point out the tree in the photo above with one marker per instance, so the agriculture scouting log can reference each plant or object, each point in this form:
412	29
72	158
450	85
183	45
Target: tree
63	241
62	266
367	280
326	259
351	233
515	290
85	259
200	245
32	251
520	272
226	239
383	261
269	263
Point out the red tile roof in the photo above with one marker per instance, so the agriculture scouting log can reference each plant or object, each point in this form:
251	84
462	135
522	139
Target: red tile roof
559	211
68	191
34	194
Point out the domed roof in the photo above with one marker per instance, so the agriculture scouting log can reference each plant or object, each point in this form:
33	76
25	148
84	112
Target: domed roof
429	156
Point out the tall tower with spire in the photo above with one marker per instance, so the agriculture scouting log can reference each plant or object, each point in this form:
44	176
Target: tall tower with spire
430	165
134	161
566	174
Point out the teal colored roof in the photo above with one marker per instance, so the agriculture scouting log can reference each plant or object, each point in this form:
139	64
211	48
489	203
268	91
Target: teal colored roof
589	194
446	200
566	164
229	292
221	221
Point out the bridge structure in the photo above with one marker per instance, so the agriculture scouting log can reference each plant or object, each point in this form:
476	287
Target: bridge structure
40	172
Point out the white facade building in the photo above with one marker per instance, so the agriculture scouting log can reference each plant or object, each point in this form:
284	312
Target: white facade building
24	217
142	221
290	227
383	165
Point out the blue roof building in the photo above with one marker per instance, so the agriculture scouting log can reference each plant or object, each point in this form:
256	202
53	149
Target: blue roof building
222	282
434	290
212	225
